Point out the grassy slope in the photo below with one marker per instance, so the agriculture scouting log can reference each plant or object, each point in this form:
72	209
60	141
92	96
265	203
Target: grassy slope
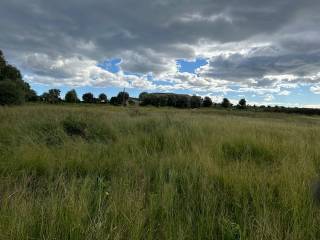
151	173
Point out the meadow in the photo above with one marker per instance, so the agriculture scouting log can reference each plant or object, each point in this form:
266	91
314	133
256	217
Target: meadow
102	172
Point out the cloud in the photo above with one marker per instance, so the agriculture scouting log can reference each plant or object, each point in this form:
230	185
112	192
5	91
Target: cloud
284	93
250	46
78	71
269	97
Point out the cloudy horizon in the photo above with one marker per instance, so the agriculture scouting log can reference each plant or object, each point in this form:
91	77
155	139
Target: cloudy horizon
267	52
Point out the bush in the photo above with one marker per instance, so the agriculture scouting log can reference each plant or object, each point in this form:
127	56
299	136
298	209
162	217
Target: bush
11	93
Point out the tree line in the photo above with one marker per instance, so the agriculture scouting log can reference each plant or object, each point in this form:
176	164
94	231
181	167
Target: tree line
54	96
14	90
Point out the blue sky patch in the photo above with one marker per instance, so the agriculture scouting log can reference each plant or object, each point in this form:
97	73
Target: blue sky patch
111	65
190	66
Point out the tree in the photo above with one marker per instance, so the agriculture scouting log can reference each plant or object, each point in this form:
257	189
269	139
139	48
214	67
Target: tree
13	75
114	101
195	101
225	103
123	98
103	98
88	97
32	96
183	101
172	100
10	72
142	96
207	102
71	96
52	96
2	62
242	103
10	93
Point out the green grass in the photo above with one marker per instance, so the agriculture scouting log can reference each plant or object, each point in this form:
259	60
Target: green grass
101	172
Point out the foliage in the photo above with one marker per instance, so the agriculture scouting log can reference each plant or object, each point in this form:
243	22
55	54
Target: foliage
242	103
122	98
88	98
71	96
103	98
114	101
226	103
207	102
166	99
195	101
21	91
52	96
142	95
10	93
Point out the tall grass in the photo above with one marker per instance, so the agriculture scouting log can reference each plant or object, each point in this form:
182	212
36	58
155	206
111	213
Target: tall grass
69	172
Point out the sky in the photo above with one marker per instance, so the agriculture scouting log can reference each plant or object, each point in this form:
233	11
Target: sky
265	51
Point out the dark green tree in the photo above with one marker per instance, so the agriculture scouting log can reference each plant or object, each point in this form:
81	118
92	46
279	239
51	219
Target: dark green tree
88	97
123	98
183	101
195	101
142	96
226	103
242	103
52	96
2	62
114	101
71	96
207	102
10	93
13	75
103	98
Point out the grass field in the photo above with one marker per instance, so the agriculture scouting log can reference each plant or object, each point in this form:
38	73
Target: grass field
101	172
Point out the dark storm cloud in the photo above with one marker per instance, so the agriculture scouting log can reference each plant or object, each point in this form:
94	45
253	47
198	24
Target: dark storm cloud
113	26
150	35
239	67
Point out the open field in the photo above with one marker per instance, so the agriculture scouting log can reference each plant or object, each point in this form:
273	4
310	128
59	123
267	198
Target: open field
101	172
